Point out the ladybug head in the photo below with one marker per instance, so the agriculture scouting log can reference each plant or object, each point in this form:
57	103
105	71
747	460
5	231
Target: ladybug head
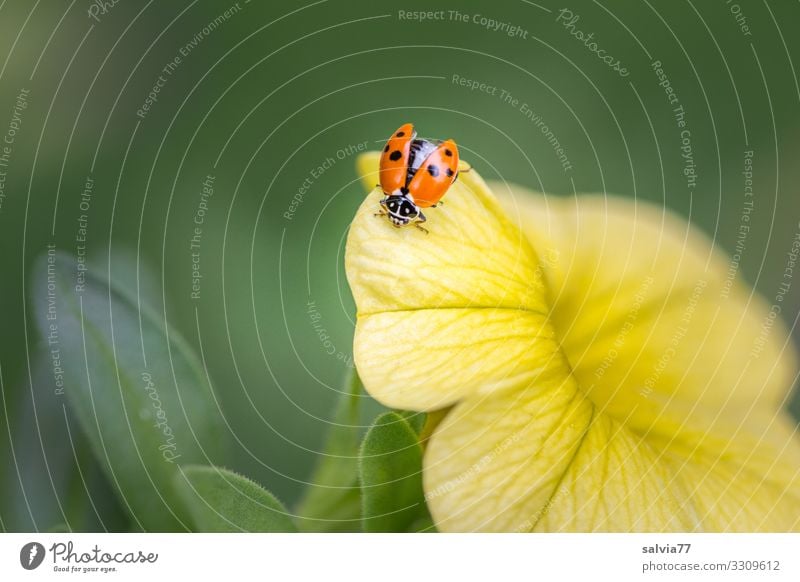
400	208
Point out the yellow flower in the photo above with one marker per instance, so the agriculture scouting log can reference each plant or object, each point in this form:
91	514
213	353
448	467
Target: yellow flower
602	371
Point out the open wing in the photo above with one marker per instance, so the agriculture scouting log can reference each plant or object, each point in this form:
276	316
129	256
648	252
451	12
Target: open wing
435	175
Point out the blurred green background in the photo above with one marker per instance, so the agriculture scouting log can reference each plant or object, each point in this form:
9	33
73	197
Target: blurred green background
269	98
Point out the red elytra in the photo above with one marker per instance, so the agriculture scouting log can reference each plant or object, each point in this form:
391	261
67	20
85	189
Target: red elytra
415	174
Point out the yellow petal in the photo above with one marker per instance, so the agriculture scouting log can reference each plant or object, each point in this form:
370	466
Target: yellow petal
687	455
643	436
436	311
545	459
472	256
367	168
431	358
494	461
656	333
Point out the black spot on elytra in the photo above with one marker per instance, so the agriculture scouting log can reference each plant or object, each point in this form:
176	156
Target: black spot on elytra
448	153
386	149
449	173
400	133
433	170
395	155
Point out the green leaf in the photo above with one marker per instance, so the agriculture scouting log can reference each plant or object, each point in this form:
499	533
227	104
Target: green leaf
142	418
416	420
332	502
222	501
53	477
391	476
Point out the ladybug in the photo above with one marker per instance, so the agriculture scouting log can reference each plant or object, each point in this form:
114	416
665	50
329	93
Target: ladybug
415	174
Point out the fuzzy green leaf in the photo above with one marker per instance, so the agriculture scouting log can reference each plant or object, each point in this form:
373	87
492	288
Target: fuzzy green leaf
222	501
391	476
416	420
53	477
141	418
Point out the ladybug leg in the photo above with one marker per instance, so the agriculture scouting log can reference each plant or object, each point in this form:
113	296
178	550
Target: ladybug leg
421	218
381	210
